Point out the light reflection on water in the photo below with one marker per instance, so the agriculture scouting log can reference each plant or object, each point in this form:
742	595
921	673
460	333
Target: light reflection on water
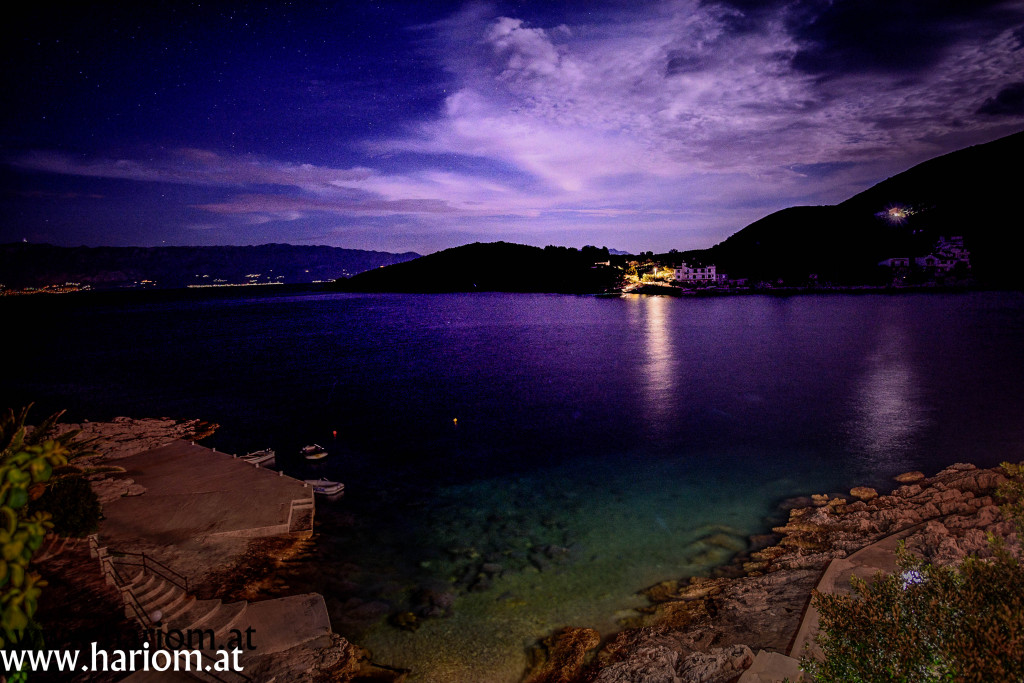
651	315
887	406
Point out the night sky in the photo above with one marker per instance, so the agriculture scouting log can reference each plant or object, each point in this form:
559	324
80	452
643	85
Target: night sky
425	125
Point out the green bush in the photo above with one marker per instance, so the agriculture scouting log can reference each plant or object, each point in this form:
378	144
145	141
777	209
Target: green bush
955	624
928	623
27	461
72	504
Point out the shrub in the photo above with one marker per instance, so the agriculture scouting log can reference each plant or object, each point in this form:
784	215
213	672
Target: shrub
962	623
72	504
957	623
27	460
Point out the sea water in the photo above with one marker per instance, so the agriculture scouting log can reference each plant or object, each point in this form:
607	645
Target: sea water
515	463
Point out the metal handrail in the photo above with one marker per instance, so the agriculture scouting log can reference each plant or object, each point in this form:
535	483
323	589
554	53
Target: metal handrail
136	606
148	627
158	567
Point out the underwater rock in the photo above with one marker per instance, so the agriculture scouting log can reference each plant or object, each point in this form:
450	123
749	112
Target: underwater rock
725	541
432	602
492	569
405	620
540	561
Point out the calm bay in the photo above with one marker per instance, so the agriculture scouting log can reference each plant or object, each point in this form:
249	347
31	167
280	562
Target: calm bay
519	462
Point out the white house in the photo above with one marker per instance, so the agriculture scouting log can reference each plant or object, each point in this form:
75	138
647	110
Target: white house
686	273
948	252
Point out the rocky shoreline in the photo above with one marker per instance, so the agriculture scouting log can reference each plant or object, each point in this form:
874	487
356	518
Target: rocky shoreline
707	629
703	629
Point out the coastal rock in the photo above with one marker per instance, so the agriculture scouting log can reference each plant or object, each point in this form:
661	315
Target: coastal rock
947	518
863	493
908	491
559	658
124	436
717	665
108	488
331	658
661	663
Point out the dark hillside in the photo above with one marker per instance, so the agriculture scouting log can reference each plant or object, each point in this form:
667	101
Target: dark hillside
495	267
970	192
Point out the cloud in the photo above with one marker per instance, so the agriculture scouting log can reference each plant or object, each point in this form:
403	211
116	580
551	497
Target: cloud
878	36
681	117
1008	102
189	166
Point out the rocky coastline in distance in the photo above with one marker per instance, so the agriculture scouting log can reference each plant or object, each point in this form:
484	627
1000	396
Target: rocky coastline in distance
703	629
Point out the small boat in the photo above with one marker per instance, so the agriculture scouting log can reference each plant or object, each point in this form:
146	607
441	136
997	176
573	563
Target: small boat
264	458
313	452
326	487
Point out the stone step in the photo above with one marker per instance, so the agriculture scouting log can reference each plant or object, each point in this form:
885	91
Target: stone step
197	612
161	596
173	612
224	618
52	545
144	583
174	605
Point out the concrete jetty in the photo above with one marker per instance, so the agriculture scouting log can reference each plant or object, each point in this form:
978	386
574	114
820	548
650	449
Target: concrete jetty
193	493
197	508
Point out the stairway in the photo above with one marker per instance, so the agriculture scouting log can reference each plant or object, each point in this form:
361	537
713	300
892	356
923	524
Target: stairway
54	545
168	613
179	611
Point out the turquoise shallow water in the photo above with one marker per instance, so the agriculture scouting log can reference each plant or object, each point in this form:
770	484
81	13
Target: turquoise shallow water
515	463
566	548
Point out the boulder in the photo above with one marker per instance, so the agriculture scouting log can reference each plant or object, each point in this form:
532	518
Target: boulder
863	493
559	658
717	665
909	477
654	664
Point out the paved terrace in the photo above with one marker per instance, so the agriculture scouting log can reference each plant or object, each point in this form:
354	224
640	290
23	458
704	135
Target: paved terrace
197	494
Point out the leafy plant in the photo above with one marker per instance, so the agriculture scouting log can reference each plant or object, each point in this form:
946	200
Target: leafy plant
27	460
929	623
955	624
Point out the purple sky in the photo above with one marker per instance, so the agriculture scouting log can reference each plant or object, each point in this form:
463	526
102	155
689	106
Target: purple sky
399	126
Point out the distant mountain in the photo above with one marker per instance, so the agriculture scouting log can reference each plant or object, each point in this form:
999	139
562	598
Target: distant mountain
494	266
971	192
35	265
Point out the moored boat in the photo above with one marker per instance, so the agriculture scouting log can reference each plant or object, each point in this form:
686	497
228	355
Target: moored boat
314	452
264	458
326	487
